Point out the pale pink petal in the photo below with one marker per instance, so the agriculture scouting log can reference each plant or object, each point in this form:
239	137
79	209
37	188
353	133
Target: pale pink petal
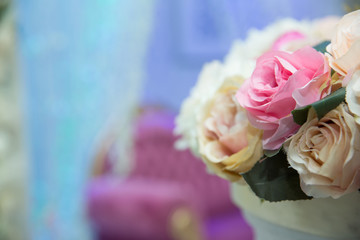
286	38
273	140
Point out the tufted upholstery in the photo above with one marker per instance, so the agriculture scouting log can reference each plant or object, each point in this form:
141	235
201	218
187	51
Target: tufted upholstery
156	158
162	180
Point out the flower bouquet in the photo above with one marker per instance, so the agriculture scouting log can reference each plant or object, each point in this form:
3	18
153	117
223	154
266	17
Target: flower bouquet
281	113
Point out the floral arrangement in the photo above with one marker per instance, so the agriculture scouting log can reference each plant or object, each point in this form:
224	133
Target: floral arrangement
281	113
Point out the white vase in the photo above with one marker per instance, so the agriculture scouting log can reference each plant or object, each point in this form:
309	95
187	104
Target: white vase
314	219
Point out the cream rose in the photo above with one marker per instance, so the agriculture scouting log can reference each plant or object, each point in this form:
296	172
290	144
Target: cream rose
345	44
228	143
326	154
353	95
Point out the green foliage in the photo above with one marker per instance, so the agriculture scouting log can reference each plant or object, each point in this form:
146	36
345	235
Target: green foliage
4	6
321	47
274	180
321	107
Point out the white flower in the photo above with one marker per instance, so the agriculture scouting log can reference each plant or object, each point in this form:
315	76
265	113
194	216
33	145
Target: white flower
186	122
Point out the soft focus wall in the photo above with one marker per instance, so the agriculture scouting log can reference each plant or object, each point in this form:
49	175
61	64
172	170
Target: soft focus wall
189	33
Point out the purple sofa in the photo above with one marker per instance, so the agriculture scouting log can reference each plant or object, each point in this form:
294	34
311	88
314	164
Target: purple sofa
145	203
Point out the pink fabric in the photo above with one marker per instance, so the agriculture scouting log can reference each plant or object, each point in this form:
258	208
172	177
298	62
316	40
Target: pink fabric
138	207
156	158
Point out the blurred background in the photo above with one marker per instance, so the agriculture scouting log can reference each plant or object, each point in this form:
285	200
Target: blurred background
88	94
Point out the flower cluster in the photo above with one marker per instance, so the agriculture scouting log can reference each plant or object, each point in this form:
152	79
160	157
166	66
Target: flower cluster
283	109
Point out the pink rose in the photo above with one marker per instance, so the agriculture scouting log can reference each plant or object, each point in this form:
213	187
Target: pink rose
287	38
320	30
280	83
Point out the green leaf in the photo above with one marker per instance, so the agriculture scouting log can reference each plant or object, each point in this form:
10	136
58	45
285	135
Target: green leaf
322	107
4	6
300	114
274	180
321	47
332	72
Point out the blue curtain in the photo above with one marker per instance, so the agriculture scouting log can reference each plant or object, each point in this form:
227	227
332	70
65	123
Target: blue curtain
81	65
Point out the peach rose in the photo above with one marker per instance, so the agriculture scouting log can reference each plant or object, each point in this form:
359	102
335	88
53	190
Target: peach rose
345	44
353	95
228	143
326	154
